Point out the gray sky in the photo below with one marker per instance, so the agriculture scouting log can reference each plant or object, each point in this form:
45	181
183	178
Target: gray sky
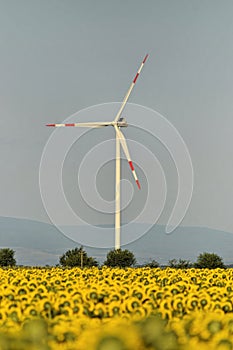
58	57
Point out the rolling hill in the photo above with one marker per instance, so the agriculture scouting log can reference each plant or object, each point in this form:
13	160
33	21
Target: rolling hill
38	243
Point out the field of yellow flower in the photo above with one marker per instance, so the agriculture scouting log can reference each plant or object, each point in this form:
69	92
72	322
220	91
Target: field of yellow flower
116	309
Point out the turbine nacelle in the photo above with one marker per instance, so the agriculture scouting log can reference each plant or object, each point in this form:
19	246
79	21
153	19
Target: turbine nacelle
122	123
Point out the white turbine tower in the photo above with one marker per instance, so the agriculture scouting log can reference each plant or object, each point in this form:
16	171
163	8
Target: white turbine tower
117	123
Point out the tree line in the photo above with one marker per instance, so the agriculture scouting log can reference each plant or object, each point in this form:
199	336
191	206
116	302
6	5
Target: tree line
118	258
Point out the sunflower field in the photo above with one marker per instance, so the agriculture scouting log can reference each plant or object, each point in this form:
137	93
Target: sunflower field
116	309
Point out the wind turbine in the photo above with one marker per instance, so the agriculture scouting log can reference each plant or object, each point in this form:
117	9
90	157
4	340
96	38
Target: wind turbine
117	123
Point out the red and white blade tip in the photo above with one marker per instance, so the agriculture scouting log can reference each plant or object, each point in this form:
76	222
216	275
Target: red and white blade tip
70	124
139	70
138	183
145	58
134	173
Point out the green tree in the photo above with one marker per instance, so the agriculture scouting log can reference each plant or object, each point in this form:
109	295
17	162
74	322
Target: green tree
77	257
180	264
209	261
7	257
153	264
120	258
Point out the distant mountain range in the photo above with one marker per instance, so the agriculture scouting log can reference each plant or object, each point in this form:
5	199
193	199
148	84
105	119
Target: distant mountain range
38	243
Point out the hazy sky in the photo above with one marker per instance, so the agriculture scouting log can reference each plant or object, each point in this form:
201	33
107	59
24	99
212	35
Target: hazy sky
58	57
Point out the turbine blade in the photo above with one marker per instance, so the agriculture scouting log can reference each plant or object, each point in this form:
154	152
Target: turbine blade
82	125
130	90
126	151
